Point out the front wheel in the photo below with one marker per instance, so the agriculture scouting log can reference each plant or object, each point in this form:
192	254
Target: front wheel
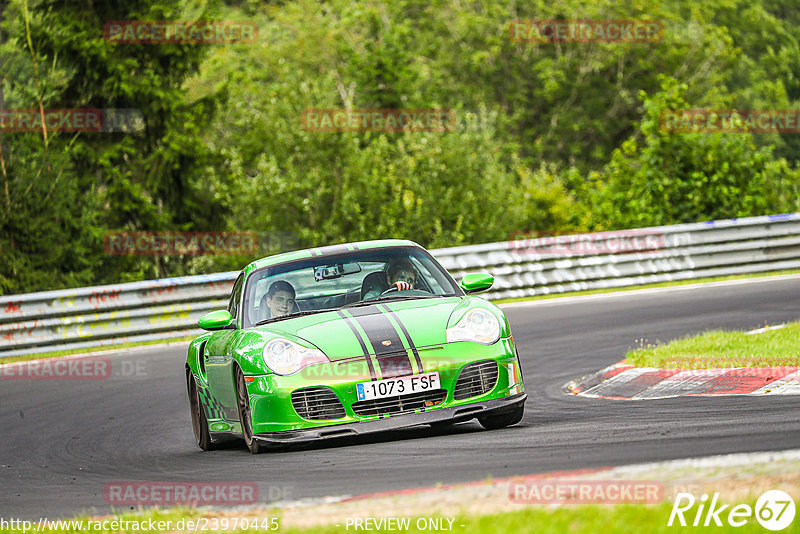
199	421
493	422
245	414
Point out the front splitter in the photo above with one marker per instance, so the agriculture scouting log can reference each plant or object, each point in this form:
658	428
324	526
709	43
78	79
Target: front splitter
455	414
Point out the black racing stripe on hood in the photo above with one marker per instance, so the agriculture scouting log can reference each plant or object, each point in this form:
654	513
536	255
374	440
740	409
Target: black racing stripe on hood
392	356
364	350
408	336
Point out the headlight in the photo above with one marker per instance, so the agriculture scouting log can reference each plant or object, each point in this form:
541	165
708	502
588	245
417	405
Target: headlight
477	325
285	357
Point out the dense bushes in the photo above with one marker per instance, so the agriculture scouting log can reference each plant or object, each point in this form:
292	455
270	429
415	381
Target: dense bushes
552	137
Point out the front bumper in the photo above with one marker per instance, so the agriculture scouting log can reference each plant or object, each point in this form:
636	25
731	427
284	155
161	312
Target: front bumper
276	420
453	414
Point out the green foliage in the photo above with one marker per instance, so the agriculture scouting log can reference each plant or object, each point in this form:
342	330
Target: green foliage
551	137
659	177
438	188
64	192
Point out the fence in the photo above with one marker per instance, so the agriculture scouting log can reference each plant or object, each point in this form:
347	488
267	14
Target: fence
169	308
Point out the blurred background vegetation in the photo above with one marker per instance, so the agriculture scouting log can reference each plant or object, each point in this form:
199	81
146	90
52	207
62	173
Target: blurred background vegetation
551	138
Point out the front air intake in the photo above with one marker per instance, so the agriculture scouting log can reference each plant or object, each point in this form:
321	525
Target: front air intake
400	404
317	403
476	379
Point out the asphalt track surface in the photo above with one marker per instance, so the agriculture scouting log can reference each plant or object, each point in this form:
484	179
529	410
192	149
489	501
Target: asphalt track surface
63	441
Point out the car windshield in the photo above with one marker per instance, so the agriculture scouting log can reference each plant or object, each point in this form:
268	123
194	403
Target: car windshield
353	279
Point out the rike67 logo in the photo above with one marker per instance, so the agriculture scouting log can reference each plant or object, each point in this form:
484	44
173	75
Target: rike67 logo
774	510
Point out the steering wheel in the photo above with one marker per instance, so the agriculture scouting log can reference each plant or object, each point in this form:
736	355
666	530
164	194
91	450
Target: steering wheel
390	290
394	288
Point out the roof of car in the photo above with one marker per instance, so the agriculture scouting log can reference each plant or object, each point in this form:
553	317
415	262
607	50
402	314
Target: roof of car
327	251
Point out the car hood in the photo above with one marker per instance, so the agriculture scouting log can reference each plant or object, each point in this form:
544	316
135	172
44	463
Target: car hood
372	329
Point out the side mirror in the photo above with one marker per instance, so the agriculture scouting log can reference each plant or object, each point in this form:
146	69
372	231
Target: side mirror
216	320
474	282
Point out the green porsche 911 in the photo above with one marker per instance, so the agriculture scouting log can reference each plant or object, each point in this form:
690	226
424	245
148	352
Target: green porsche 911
349	339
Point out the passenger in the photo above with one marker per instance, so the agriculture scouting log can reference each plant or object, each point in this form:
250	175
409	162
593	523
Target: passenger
279	300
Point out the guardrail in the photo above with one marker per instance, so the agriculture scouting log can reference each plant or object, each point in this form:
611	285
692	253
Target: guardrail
527	267
169	308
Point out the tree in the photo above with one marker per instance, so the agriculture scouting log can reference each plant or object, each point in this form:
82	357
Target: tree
660	177
66	191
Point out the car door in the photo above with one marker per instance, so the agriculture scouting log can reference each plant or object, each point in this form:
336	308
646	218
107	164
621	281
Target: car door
219	355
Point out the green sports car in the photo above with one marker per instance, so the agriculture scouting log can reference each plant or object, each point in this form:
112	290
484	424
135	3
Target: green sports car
349	339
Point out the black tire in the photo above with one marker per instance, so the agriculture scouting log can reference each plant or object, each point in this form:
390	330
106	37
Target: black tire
199	421
502	420
245	418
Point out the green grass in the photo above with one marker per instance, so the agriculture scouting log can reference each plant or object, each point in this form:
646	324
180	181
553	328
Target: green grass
646	286
779	347
632	519
584	519
104	348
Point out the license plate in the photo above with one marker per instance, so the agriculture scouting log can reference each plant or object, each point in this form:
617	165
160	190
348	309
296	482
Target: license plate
392	387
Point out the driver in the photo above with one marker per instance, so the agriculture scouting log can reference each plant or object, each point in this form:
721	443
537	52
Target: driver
279	299
400	274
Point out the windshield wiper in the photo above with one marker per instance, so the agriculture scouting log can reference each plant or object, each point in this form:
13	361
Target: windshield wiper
292	315
388	299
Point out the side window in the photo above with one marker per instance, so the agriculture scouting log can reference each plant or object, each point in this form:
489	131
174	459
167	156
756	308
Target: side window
425	278
236	297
